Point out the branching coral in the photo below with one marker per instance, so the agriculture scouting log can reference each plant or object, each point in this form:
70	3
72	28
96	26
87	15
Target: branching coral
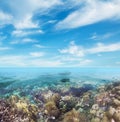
51	109
74	116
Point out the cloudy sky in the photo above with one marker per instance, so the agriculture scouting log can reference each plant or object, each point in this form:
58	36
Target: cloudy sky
59	33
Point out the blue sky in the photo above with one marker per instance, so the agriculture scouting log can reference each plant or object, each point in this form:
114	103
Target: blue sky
60	33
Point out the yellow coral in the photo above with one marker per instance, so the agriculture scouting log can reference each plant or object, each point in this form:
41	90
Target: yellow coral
55	98
22	106
13	99
74	116
51	109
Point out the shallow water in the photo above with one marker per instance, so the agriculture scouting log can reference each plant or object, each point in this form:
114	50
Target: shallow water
58	94
14	80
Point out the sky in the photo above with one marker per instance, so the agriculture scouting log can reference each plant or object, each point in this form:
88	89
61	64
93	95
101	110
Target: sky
60	33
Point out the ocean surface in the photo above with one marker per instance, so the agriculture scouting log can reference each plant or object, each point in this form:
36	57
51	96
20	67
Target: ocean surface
27	80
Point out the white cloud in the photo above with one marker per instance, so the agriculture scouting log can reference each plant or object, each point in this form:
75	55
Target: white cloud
26	61
27	40
12	60
5	18
45	4
25	23
24	10
67	58
82	63
2	38
94	11
118	62
72	61
85	62
46	63
21	33
39	46
91	11
73	50
100	47
96	36
4	48
77	50
52	21
76	55
37	54
99	55
23	41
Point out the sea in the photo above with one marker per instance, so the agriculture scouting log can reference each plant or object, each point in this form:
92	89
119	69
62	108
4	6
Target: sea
24	81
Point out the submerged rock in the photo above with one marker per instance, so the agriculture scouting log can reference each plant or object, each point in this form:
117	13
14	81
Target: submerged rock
81	90
64	80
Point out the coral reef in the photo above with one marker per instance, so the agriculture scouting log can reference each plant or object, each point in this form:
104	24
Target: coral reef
62	104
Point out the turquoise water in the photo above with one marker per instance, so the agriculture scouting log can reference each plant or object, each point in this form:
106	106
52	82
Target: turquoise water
52	94
27	80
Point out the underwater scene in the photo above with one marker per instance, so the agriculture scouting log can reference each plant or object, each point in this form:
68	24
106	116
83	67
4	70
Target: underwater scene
59	95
